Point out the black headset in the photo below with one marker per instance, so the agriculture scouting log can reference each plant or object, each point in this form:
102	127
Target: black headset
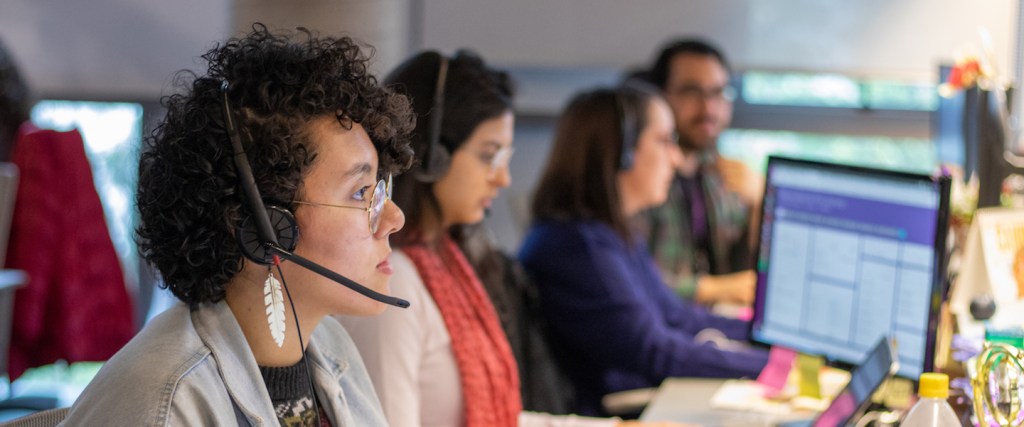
272	230
435	156
629	126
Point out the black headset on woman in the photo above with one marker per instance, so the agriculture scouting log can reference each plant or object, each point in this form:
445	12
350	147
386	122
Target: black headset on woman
272	230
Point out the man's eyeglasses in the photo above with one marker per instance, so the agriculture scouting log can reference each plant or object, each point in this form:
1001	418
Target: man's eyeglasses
693	93
380	197
498	160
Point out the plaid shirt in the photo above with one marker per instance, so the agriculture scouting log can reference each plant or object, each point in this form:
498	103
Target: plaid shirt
670	238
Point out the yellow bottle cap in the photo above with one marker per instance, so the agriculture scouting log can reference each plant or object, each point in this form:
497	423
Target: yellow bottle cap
934	385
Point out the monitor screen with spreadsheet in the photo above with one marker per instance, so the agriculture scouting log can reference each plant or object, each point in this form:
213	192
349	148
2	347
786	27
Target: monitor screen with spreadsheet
848	255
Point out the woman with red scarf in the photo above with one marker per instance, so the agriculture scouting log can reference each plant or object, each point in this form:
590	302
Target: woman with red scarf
446	360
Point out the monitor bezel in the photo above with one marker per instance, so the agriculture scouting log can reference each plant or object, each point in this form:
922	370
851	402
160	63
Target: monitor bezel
940	259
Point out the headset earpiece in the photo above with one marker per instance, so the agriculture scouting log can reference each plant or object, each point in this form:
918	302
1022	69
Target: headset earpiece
629	126
284	226
435	163
266	225
436	157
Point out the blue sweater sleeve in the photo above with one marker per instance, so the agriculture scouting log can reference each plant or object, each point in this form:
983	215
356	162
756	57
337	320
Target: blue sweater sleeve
603	306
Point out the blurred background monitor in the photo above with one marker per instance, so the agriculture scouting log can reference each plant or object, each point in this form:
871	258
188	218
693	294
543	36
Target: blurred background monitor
848	255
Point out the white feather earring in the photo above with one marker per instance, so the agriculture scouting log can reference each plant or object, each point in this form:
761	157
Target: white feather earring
274	302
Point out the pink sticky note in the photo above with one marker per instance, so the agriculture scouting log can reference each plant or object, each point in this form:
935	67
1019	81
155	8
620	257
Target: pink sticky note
773	376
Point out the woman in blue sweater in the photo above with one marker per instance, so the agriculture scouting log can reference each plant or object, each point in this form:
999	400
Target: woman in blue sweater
622	328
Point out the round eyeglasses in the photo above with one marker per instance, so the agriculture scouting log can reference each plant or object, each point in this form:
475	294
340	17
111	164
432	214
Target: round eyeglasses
380	197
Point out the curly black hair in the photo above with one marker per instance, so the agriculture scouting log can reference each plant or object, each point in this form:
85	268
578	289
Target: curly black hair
188	193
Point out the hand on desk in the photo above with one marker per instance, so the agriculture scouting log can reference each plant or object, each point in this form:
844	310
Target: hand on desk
735	288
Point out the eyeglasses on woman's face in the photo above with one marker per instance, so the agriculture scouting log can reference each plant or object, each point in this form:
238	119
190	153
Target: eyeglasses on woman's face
381	195
497	160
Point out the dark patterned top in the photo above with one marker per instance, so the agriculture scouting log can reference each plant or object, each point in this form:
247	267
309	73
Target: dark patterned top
290	391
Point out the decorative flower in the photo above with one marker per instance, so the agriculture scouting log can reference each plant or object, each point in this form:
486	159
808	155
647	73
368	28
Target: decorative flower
971	69
964	75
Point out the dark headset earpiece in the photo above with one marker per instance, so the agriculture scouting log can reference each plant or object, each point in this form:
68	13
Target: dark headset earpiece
628	125
436	157
265	224
285	228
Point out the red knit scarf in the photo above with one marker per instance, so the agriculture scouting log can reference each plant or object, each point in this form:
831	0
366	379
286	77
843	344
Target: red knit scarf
490	380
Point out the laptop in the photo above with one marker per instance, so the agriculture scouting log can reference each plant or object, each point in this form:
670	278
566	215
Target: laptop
851	403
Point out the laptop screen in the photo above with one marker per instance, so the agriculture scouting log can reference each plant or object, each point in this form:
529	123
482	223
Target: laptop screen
848	255
864	380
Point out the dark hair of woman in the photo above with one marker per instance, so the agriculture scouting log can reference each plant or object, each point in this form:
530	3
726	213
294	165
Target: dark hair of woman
188	193
14	102
473	93
579	181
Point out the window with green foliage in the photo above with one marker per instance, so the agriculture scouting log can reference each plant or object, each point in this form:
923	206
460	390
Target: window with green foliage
904	154
900	95
833	90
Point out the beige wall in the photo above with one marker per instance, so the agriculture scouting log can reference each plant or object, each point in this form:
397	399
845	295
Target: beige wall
897	38
382	24
108	48
121	48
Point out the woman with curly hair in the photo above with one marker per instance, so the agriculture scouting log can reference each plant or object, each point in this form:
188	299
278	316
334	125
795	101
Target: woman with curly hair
318	133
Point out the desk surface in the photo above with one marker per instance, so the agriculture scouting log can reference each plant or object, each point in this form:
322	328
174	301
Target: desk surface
688	400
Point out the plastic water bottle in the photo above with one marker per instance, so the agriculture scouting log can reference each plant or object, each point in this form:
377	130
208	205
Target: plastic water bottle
932	410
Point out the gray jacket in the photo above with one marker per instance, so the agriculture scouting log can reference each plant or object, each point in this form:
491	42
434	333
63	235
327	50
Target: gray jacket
194	368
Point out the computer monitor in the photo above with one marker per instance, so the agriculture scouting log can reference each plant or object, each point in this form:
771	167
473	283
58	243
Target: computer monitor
848	255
